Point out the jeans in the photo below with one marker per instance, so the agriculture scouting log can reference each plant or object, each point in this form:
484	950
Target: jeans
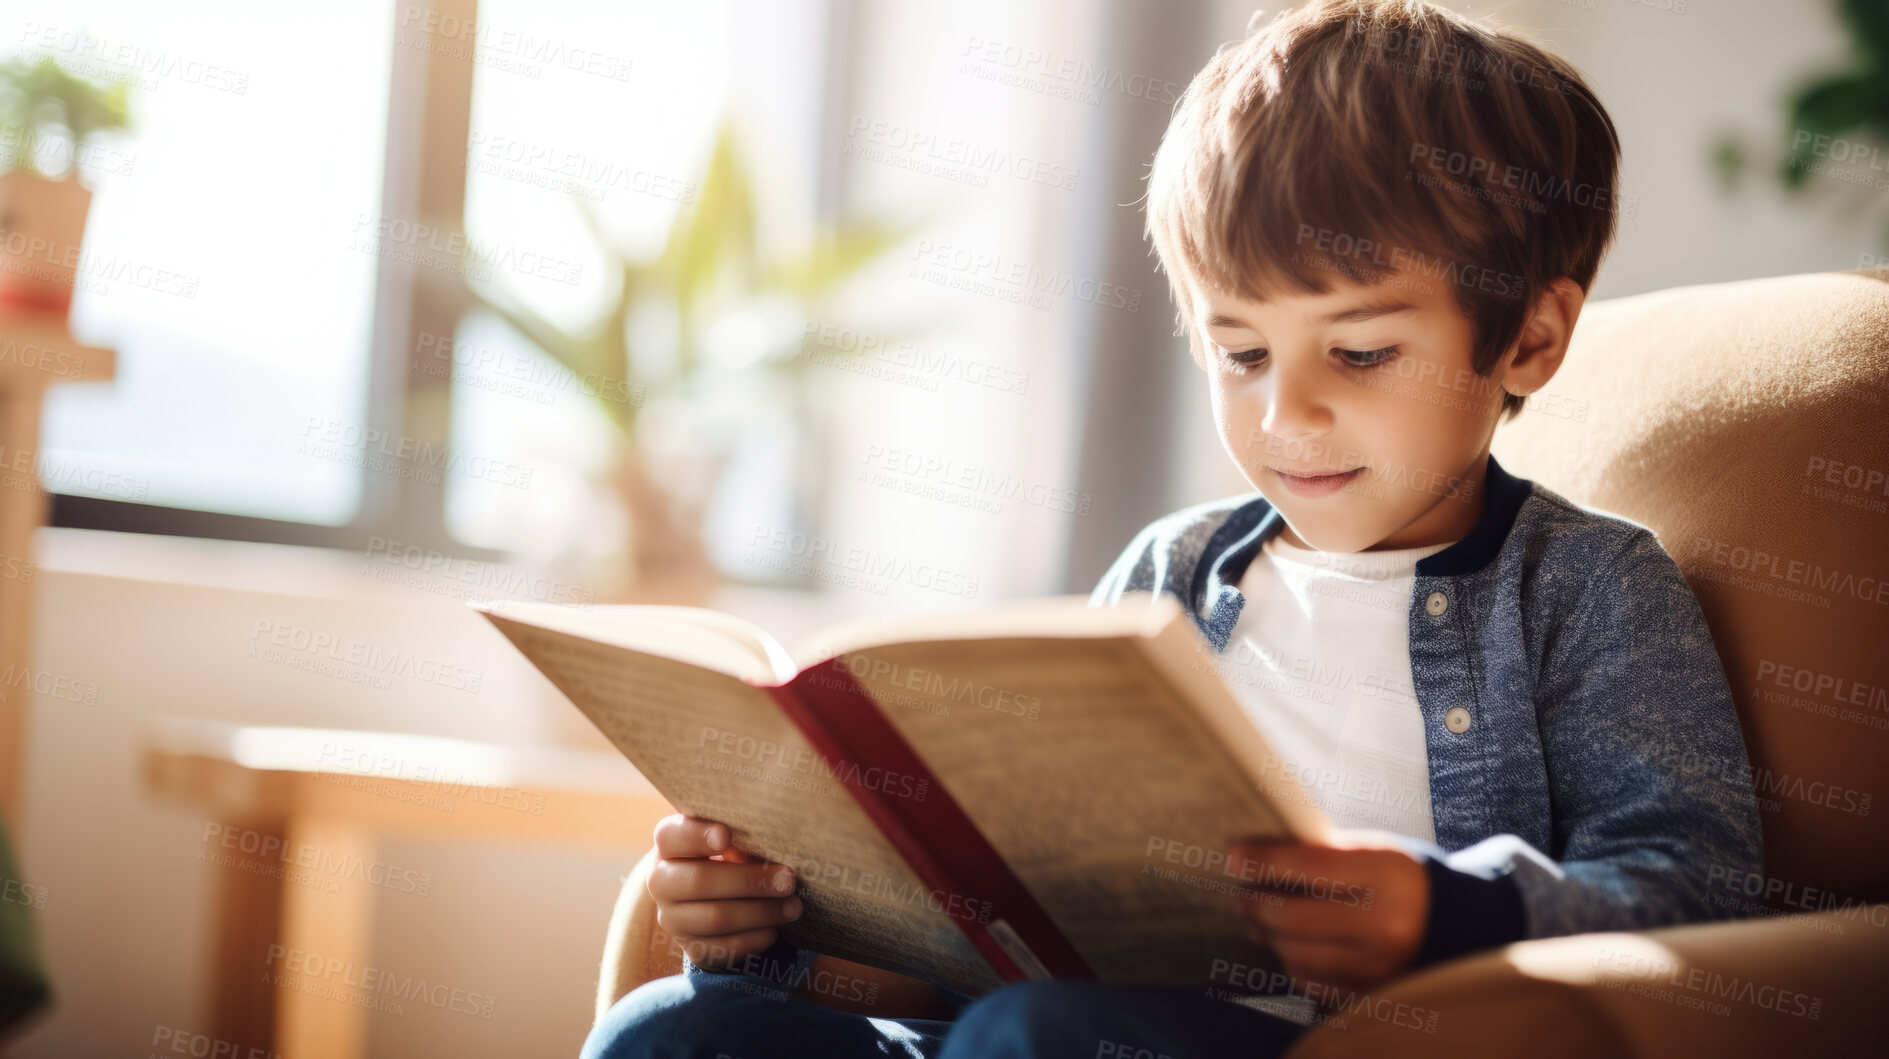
731	1016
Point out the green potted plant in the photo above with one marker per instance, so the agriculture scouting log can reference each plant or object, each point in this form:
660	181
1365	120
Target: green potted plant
1837	122
713	280
47	117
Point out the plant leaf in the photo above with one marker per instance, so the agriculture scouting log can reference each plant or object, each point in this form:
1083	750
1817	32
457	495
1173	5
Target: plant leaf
1868	21
716	232
1835	104
835	253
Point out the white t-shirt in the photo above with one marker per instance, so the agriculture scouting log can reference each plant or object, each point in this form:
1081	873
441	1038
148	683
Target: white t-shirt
1320	658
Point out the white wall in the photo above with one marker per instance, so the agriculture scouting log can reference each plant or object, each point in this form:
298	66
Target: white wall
1672	82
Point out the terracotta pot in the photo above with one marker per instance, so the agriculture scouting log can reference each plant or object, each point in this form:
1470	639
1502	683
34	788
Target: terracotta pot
42	225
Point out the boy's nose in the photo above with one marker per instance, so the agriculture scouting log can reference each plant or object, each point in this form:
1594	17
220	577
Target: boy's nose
1297	407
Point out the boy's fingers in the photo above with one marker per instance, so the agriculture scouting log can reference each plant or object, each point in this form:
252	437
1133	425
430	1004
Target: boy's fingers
1262	865
1281	864
1347	877
690	836
1289	916
714	953
710	919
708	880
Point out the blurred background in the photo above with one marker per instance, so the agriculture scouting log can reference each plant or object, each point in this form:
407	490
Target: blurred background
317	323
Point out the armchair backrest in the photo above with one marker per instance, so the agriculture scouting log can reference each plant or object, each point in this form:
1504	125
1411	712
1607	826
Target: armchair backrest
1748	425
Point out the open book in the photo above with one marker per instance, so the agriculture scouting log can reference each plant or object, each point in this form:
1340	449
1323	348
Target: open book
1038	790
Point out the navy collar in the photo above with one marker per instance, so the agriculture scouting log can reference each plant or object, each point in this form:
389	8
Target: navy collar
1230	550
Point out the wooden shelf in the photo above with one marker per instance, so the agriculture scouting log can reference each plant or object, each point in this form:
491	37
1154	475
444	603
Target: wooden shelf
36	351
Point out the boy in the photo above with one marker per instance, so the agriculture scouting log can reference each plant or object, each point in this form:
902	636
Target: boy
1379	221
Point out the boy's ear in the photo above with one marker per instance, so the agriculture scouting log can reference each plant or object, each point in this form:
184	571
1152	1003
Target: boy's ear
1544	339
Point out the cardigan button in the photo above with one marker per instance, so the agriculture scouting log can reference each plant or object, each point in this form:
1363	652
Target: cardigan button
1456	720
1436	604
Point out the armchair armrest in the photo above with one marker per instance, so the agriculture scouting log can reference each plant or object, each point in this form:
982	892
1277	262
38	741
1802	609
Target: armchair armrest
1790	985
636	950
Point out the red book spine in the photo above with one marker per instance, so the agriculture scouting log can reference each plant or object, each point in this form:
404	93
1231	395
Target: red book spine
927	826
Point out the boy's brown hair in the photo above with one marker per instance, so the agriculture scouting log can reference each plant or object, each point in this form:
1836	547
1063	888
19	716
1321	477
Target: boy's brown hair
1358	138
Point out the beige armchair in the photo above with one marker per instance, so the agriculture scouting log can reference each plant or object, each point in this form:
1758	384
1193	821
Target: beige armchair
1748	424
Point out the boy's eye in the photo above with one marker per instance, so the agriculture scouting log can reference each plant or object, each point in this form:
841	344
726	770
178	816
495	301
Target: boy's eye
1367	357
1357	358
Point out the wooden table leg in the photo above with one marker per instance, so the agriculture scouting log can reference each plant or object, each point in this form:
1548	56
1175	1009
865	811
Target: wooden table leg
322	956
247	918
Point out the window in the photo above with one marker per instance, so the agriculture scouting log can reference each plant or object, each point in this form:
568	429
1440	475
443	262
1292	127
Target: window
571	118
219	257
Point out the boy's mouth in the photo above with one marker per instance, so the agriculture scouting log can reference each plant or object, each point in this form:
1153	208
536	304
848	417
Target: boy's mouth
1317	484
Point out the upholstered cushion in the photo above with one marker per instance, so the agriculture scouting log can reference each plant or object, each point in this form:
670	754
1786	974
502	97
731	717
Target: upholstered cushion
1787	985
1748	425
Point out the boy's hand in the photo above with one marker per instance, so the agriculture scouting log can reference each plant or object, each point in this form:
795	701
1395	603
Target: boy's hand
716	902
1343	917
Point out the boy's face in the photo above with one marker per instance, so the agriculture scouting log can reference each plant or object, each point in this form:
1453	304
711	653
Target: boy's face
1371	380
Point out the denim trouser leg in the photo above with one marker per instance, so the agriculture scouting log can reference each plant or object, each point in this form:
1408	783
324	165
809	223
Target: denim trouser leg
706	1015
1087	1020
727	1016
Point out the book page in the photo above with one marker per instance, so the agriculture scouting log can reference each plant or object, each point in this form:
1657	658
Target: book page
1046	616
696	635
1111	773
719	747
